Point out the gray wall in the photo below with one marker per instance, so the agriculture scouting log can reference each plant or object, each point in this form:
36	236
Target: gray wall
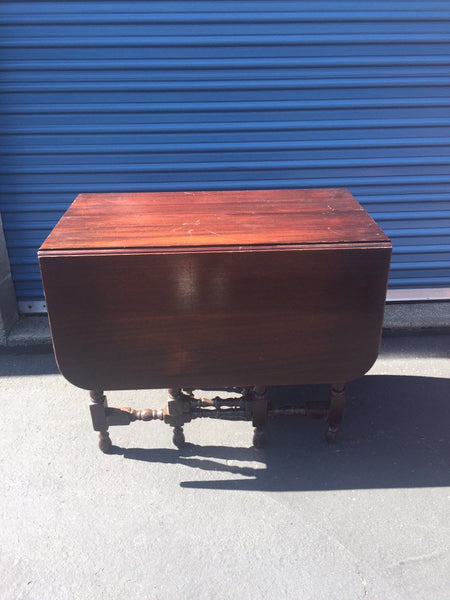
8	304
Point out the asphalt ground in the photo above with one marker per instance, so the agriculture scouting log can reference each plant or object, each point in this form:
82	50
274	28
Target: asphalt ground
368	517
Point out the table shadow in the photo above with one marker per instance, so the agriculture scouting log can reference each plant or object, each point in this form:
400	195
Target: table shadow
395	434
23	363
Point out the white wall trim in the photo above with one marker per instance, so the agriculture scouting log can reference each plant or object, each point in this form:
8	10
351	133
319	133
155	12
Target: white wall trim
418	295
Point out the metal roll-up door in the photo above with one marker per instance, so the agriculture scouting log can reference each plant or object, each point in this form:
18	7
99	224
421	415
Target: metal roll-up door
121	96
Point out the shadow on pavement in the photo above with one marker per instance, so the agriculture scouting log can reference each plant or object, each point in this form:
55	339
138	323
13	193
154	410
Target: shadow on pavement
415	346
395	435
18	364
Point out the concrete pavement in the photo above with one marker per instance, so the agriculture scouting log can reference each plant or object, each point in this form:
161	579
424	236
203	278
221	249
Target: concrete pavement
366	518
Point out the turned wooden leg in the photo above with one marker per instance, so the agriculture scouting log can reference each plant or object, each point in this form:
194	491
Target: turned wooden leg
335	411
175	410
98	414
259	415
178	437
258	437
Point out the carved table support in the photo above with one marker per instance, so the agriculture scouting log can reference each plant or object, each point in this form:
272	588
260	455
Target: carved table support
259	414
98	408
335	411
251	404
177	409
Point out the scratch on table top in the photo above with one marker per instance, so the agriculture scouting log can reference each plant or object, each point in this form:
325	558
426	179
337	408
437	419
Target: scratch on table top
187	224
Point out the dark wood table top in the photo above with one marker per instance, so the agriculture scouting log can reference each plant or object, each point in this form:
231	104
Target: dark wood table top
197	289
174	220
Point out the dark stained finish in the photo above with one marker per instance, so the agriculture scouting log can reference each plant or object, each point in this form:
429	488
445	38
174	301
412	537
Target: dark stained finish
215	289
98	414
335	411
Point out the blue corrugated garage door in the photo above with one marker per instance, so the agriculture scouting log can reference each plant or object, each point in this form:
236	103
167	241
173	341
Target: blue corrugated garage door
108	96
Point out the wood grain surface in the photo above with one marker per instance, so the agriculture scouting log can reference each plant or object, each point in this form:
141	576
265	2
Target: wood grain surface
215	289
216	319
199	219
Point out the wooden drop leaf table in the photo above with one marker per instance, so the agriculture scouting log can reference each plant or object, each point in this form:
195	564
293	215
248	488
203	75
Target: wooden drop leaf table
201	290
